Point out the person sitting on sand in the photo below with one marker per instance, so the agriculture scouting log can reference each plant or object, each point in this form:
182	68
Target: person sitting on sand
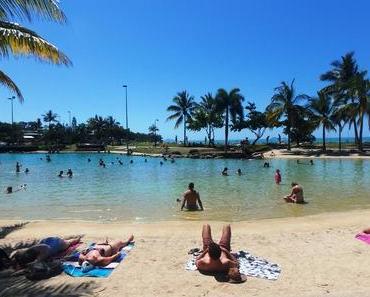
46	248
224	172
102	254
296	196
60	173
277	177
215	257
190	199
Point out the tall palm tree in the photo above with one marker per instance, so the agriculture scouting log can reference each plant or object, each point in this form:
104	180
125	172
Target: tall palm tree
230	104
284	104
50	117
19	41
322	109
342	76
340	117
183	109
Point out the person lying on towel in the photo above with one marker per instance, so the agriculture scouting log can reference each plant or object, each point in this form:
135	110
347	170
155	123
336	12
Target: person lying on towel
45	249
217	258
102	254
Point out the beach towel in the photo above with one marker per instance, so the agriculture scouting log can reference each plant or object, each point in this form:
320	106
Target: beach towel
248	265
363	237
72	267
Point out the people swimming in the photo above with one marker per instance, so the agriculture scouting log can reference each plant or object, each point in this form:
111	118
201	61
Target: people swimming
88	160
277	177
102	254
224	172
45	249
296	196
266	165
311	162
161	163
145	160
27	171
69	173
48	159
120	162
217	258
18	167
10	190
191	199
60	173
239	172
131	161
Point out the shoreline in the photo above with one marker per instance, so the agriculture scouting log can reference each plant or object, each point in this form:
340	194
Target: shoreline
320	249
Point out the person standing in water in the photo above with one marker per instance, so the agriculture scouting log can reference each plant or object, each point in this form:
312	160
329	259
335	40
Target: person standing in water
224	172
191	198
17	167
277	177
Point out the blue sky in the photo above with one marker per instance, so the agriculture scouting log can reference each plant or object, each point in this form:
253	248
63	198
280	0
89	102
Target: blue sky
161	47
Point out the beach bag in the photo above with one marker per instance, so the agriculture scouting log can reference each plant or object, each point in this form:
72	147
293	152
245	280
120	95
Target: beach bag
43	270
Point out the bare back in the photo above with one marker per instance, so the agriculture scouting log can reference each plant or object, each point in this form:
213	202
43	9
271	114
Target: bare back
191	197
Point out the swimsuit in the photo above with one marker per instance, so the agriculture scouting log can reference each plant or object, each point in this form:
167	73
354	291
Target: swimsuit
56	244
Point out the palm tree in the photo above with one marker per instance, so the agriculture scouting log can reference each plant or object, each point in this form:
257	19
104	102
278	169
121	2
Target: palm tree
284	103
50	117
340	117
183	109
20	41
322	110
342	76
229	104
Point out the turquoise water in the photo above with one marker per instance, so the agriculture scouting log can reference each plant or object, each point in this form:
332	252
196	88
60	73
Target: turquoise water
148	192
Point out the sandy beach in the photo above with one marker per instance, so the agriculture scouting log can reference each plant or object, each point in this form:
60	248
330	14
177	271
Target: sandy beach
319	256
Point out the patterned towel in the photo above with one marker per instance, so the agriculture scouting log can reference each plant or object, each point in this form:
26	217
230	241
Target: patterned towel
363	237
248	265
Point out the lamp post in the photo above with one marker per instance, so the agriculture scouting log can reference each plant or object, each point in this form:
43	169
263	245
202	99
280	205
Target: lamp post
155	132
69	118
127	152
11	100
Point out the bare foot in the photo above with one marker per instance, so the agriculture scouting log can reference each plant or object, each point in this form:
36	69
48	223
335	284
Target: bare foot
131	238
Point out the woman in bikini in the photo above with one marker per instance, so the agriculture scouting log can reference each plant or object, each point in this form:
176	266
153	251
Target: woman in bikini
102	254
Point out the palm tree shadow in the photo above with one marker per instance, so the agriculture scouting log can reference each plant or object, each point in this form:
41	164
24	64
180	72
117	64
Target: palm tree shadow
6	230
20	286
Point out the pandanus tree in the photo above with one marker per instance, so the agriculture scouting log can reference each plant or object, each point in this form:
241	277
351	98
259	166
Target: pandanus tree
285	104
322	110
182	110
230	105
17	40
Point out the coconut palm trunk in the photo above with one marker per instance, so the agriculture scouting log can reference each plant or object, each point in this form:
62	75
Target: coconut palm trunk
226	129
340	137
360	146
323	138
185	141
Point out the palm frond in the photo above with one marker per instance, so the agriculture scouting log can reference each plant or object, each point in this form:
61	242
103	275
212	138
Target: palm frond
18	40
8	83
26	9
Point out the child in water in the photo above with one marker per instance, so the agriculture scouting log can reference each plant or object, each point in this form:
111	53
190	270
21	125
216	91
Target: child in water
277	177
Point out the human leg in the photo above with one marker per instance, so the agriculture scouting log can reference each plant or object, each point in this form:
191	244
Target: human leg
226	237
206	236
117	245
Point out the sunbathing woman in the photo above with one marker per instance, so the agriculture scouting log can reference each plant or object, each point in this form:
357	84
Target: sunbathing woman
102	254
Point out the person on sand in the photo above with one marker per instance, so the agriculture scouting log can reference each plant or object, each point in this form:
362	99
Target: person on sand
277	177
46	248
296	196
102	254
224	172
191	198
217	258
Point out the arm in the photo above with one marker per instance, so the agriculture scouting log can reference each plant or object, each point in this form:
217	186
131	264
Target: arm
183	202
200	202
233	260
202	254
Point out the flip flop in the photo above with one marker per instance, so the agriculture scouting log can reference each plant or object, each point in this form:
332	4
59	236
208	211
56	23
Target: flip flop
193	251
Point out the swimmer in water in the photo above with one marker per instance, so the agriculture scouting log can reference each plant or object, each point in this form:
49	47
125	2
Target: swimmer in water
88	160
131	161
161	163
191	199
311	162
239	172
17	167
69	172
120	162
27	171
296	196
224	172
60	173
277	177
145	160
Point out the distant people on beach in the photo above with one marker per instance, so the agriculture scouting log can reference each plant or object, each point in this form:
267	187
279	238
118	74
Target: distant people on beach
224	172
102	254
191	199
60	173
296	196
217	258
18	167
239	172
266	165
277	177
69	173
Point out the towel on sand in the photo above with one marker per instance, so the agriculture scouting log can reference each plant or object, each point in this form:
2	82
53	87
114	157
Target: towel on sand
248	265
363	237
74	269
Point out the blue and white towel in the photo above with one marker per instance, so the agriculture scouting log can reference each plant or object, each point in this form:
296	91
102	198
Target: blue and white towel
248	265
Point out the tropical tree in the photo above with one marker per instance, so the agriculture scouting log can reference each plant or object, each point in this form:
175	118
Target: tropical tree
19	41
255	121
182	110
230	105
207	117
285	104
50	117
322	109
153	129
340	117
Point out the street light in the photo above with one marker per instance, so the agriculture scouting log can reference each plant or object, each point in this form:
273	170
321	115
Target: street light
12	99
69	117
127	152
155	132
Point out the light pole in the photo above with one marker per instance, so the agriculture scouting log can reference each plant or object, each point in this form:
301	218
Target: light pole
69	118
155	132
12	99
127	152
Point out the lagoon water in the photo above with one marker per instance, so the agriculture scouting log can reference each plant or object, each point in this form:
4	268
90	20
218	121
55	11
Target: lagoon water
147	192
